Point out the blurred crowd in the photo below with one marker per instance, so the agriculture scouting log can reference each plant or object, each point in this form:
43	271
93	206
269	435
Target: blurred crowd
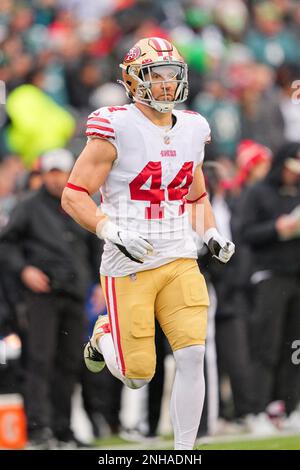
58	62
60	59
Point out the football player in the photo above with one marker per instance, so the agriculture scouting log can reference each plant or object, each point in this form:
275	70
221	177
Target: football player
146	157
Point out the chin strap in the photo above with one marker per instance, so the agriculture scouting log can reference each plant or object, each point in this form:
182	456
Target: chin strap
162	108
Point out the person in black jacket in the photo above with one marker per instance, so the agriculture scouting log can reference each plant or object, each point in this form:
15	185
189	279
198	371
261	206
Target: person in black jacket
271	226
50	254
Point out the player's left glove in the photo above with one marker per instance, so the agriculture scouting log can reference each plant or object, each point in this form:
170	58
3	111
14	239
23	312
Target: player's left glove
220	248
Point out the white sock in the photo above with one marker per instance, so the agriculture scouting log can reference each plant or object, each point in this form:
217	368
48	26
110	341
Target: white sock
106	347
187	396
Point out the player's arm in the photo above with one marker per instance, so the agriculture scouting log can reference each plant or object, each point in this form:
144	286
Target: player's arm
88	175
203	219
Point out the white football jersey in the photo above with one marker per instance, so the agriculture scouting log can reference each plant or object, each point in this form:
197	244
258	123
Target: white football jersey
147	184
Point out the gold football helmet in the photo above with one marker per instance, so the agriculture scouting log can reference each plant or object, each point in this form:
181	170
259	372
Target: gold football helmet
154	60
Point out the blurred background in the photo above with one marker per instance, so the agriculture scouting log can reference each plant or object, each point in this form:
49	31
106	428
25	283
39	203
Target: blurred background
59	61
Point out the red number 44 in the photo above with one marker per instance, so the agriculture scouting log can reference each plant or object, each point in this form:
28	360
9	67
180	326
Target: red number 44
155	194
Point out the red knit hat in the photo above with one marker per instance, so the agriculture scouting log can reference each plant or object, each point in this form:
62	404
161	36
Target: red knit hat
249	154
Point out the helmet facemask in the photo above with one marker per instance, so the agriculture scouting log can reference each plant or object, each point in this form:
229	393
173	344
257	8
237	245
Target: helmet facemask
147	75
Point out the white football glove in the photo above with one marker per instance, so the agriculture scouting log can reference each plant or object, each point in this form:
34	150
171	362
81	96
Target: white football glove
220	248
131	243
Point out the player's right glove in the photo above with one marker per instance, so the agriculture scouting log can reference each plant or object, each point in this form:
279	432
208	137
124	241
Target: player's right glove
220	248
131	243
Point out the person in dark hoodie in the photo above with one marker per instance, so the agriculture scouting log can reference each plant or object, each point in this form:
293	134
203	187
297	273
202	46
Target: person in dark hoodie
52	258
253	163
231	282
271	226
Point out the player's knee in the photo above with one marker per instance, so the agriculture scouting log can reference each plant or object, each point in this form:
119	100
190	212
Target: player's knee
192	356
140	365
136	383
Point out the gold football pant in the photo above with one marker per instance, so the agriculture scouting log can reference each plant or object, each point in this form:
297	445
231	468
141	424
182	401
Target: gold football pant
174	293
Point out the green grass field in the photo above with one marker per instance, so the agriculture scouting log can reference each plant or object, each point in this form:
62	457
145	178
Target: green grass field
244	443
275	443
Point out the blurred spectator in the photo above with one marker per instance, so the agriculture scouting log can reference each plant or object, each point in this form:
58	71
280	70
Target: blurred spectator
232	17
271	226
262	120
109	35
51	255
223	115
11	168
253	163
237	69
89	9
233	351
34	180
109	94
288	77
82	80
5	317
270	41
37	123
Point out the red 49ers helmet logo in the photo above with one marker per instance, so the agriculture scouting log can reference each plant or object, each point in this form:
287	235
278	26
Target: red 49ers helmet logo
133	54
